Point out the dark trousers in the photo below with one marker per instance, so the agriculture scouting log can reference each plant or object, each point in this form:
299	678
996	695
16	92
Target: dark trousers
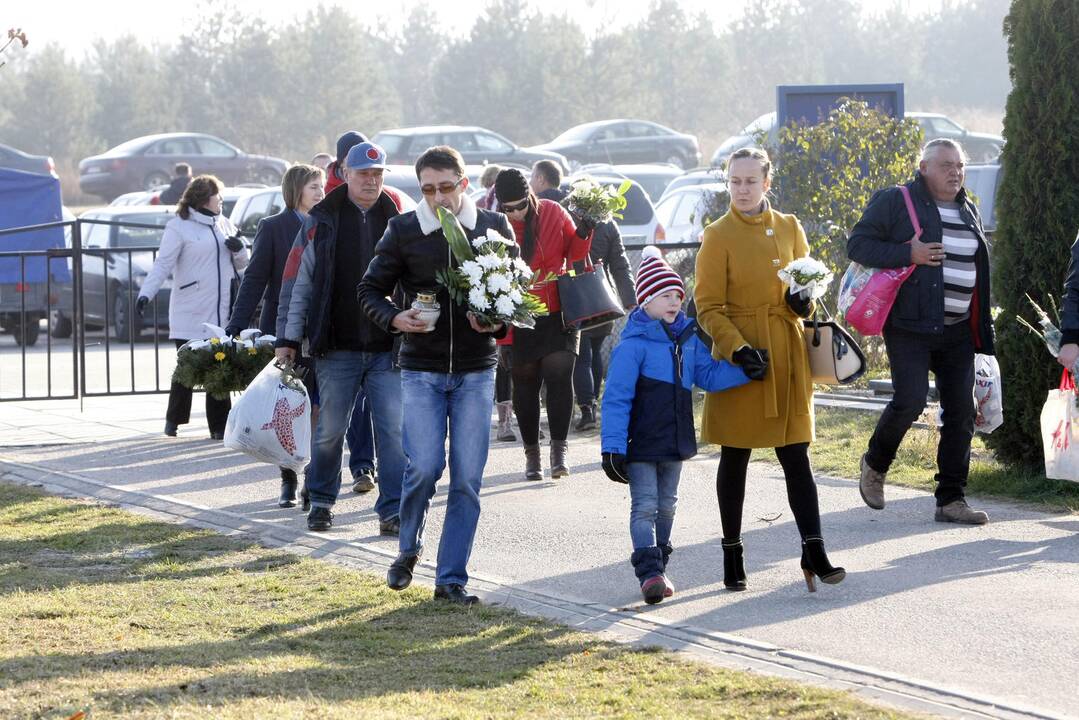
950	356
504	374
361	436
588	372
801	488
555	371
179	410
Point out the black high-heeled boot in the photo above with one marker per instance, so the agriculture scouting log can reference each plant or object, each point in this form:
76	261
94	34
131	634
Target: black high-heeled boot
815	563
734	566
288	488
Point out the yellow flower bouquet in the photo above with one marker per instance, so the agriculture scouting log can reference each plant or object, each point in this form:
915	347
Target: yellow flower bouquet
221	365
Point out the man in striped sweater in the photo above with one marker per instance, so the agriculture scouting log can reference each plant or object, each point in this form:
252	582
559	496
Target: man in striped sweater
939	320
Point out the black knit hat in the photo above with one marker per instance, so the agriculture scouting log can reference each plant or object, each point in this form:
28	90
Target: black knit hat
511	185
348	141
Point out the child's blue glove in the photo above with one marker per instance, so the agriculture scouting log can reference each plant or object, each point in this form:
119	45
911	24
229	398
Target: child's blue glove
614	464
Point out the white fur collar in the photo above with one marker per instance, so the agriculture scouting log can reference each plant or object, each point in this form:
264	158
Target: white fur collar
429	223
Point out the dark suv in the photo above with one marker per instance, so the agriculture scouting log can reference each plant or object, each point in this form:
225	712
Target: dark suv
624	142
478	146
147	162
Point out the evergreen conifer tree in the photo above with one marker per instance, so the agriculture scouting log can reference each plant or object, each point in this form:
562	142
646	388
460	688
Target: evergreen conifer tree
1038	208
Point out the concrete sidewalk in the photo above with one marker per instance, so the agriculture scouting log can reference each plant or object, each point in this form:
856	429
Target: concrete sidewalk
957	621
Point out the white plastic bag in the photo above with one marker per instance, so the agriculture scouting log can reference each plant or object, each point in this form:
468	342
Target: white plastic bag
1060	432
988	394
272	420
988	397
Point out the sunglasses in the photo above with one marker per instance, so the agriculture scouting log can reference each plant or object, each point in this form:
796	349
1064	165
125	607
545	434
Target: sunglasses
514	208
444	188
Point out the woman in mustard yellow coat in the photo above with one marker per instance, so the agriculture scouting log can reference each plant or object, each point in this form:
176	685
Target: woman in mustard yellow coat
755	323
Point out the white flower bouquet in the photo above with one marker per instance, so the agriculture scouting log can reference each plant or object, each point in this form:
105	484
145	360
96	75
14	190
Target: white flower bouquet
490	281
599	203
807	276
221	364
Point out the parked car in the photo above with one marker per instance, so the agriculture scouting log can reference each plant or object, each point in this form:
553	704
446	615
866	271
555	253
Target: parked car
253	205
477	145
229	196
653	178
682	211
980	147
625	141
984	182
639	225
147	162
19	160
111	280
403	178
29	285
697	176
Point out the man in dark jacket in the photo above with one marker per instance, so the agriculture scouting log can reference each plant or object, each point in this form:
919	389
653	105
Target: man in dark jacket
588	371
447	374
318	306
182	178
546	181
1069	316
939	320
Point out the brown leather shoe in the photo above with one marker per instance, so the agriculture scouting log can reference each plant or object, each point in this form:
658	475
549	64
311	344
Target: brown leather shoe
959	512
871	486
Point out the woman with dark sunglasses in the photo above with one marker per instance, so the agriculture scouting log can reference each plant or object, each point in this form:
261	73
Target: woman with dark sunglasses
550	243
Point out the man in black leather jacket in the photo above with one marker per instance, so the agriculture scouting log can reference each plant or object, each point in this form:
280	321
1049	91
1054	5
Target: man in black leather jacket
939	320
447	374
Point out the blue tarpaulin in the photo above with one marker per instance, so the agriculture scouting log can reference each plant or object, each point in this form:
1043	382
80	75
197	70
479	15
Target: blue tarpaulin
30	199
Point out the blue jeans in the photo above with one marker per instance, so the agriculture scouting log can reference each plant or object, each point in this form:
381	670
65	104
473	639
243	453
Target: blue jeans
341	375
653	493
463	402
360	436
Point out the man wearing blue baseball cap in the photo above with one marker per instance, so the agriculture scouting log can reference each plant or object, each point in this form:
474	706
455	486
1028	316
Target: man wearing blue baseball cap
331	253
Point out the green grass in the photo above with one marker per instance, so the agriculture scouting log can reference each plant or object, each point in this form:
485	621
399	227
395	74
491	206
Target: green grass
842	436
125	617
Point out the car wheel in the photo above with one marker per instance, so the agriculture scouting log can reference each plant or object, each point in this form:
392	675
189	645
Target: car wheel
677	160
123	307
267	176
60	325
28	333
154	179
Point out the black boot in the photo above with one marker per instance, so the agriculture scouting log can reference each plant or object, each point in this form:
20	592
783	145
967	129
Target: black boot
815	563
558	459
533	466
588	418
734	566
288	488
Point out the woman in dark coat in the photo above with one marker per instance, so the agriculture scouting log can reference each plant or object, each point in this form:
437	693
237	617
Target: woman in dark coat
302	189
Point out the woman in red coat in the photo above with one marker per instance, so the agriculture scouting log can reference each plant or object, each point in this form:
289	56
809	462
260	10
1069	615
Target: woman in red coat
543	356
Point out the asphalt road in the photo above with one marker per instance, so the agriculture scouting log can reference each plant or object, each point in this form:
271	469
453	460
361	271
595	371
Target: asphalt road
991	612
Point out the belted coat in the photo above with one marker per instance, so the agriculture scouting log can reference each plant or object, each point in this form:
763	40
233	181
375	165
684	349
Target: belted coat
739	299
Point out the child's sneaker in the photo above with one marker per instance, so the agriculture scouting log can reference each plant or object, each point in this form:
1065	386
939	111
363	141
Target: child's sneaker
654	589
668	590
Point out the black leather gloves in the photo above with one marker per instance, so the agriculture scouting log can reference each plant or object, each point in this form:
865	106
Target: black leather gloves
233	331
754	362
614	464
140	304
585	226
802	306
234	244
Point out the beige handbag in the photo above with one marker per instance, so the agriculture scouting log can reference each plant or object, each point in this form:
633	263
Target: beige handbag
834	357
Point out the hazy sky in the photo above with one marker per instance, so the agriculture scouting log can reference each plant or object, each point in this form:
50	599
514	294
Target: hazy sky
77	25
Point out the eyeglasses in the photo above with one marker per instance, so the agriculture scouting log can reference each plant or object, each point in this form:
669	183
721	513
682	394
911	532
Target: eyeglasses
444	188
515	207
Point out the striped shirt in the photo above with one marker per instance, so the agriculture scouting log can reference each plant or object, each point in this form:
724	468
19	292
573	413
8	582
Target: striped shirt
960	272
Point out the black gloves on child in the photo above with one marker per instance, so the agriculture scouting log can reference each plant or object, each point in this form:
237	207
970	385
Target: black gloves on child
614	464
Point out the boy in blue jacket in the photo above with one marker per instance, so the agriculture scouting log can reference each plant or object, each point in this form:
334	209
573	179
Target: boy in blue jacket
647	427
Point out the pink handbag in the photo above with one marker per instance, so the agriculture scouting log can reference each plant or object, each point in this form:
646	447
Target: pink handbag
869	311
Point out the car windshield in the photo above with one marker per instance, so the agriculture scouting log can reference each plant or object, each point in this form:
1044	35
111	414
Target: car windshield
389	142
580	132
128	237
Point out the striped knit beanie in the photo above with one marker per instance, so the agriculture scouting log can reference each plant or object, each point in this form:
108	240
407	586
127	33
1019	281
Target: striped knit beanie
655	276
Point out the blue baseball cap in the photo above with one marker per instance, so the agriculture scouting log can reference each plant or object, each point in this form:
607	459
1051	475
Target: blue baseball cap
366	156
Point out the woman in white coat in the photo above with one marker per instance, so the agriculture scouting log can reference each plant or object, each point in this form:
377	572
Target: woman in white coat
199	249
